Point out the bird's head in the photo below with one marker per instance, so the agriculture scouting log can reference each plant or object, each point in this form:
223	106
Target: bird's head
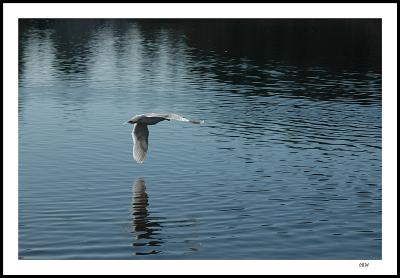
134	119
132	122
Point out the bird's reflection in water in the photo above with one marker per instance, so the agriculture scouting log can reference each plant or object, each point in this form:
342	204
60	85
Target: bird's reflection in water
144	226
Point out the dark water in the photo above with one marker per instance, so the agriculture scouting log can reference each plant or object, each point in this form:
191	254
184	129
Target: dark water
287	166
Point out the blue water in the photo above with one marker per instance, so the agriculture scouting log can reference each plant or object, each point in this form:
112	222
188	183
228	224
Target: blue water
286	166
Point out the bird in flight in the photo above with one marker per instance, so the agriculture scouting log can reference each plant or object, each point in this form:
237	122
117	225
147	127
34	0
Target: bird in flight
140	132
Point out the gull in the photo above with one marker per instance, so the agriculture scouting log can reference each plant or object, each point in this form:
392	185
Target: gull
140	132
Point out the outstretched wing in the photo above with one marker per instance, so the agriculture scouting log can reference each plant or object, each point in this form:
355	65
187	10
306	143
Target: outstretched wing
172	116
140	136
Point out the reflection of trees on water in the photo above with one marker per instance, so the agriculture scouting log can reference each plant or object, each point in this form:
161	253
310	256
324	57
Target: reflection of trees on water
144	227
298	41
331	42
256	56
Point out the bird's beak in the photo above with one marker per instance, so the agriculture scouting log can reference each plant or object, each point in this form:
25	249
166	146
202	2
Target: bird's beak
129	122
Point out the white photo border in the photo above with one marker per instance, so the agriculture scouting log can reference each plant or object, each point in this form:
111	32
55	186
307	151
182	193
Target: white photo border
11	14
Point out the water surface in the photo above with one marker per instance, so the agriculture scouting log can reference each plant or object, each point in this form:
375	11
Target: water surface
287	166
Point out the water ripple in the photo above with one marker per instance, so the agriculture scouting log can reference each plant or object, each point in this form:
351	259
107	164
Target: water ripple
289	158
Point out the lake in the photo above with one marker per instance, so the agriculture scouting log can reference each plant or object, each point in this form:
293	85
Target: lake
286	166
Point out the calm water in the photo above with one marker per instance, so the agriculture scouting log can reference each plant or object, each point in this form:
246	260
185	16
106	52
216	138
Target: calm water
287	166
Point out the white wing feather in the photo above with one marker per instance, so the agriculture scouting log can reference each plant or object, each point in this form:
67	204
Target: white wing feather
140	136
172	116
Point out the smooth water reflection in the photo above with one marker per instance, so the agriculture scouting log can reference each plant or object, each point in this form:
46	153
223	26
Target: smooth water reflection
287	166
